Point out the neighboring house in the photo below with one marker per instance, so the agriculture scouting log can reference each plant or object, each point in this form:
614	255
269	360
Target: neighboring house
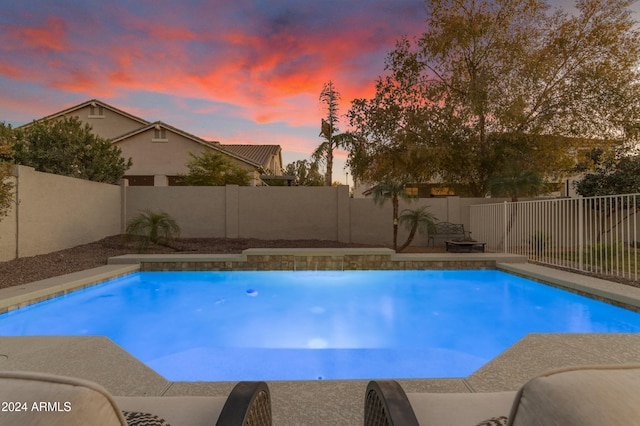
418	190
564	187
268	156
159	152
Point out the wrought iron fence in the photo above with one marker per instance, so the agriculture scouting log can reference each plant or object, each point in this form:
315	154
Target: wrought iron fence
594	234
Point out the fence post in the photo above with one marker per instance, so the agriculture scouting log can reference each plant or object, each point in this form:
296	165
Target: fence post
124	185
16	194
504	229
232	211
581	206
343	214
635	236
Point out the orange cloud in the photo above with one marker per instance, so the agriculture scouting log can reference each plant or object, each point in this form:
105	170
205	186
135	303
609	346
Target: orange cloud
256	65
50	37
11	71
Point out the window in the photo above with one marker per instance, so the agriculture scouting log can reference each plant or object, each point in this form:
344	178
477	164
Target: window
411	191
159	134
176	181
140	180
96	111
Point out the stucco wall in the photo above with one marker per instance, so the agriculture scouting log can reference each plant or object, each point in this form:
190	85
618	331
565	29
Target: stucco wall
8	233
158	157
199	210
167	157
283	212
248	212
373	223
57	212
109	125
290	212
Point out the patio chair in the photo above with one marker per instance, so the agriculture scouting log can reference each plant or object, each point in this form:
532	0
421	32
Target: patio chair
43	399
585	396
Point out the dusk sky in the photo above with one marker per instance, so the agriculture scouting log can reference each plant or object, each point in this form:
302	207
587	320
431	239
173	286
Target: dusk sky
242	71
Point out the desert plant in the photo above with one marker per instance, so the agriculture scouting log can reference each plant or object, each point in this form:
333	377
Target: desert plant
418	220
150	227
394	191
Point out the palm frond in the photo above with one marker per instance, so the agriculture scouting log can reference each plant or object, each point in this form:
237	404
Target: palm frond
157	228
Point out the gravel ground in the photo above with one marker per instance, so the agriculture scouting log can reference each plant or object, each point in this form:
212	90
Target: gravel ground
87	256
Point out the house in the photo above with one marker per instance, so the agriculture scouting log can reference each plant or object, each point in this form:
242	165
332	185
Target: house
558	186
159	152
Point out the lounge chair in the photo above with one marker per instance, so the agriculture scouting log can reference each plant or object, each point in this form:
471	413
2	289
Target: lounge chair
44	399
585	396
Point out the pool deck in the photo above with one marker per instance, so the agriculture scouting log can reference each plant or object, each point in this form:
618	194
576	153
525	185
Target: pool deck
330	402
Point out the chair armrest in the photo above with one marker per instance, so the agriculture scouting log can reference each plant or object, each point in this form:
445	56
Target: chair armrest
386	403
249	403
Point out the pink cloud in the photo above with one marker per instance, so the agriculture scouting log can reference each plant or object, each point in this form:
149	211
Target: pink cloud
11	71
262	64
49	37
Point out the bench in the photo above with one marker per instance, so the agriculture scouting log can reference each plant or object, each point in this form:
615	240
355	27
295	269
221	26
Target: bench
447	231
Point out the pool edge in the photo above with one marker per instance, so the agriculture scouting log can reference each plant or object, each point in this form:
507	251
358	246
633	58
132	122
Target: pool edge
622	295
315	402
25	294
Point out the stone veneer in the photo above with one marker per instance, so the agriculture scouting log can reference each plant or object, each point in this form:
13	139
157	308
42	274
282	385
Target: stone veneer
317	259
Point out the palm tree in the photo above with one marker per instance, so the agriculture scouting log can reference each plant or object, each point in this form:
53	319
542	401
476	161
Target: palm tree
393	190
329	132
324	152
418	220
158	228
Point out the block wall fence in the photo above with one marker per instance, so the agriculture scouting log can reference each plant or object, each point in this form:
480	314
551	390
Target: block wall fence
57	212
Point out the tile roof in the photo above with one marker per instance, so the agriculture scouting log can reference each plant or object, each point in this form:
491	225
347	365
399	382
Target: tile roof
260	154
255	155
85	104
214	145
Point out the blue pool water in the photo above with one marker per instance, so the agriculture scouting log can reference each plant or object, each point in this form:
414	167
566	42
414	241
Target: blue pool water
228	326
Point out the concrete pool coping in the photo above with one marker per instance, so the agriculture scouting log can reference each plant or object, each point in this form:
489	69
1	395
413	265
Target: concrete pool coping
337	402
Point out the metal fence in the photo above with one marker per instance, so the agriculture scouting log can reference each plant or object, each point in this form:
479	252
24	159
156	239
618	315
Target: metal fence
595	234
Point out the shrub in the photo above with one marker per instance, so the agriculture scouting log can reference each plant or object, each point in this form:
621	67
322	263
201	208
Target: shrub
149	227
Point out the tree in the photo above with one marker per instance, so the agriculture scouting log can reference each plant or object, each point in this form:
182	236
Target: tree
394	191
515	182
306	173
6	168
490	77
212	168
329	132
613	176
157	228
418	220
67	147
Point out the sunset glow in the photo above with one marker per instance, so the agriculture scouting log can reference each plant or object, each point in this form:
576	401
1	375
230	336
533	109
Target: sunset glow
247	71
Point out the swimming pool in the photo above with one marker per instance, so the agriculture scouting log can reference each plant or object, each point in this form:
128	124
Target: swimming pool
228	326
